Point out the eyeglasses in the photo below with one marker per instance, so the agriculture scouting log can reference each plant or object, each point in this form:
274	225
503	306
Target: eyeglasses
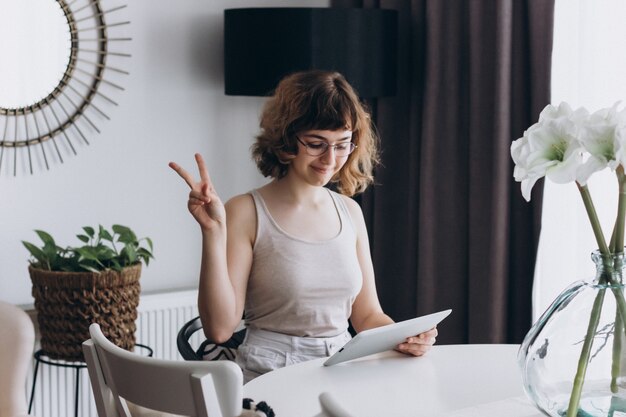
319	148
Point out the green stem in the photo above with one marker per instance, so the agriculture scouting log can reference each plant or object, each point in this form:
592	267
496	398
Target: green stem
617	244
593	218
612	244
621	303
579	379
620	319
617	348
621	211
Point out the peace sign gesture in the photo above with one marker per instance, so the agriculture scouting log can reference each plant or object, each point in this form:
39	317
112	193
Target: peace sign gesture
204	204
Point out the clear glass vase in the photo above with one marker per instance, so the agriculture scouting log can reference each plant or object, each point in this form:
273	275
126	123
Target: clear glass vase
572	364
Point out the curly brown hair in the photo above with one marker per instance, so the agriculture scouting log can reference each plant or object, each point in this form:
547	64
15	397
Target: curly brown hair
316	100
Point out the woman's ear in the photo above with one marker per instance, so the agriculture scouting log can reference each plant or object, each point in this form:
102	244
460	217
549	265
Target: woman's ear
285	158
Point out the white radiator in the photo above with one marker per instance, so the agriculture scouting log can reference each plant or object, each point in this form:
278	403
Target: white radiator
160	316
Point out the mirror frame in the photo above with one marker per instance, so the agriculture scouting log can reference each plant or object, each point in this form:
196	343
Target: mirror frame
48	119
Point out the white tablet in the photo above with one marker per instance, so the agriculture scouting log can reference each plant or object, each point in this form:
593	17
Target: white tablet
385	338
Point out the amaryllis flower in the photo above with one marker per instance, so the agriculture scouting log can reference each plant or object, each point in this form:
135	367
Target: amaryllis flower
563	110
555	147
549	148
603	136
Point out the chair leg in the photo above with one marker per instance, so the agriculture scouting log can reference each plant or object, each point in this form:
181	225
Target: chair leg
201	385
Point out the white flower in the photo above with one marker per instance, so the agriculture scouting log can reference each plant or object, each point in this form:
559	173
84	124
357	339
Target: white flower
555	147
549	148
564	110
603	136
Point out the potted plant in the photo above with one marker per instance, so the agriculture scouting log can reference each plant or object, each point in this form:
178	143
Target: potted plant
97	282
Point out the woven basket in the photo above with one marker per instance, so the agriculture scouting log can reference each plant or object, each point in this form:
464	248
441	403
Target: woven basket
68	302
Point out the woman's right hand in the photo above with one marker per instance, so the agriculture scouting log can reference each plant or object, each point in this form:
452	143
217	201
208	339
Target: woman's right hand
204	203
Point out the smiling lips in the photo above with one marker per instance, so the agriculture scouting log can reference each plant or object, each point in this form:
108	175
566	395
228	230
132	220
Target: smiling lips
322	171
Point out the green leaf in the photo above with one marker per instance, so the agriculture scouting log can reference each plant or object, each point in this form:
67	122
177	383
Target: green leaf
98	252
116	265
125	234
144	253
45	237
89	253
83	238
105	253
121	230
104	234
130	254
90	268
36	253
49	247
50	252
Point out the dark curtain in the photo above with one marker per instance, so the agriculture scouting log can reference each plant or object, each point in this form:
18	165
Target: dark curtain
448	225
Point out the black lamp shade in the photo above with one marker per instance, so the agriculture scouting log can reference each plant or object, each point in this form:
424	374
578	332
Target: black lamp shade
262	45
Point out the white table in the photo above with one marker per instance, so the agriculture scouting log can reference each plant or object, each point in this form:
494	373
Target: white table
451	380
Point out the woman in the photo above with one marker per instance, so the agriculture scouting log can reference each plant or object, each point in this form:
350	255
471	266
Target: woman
293	254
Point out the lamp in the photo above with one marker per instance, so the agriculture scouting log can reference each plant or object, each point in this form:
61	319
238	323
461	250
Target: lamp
262	45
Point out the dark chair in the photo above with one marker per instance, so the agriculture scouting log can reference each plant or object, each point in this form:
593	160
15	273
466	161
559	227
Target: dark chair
208	350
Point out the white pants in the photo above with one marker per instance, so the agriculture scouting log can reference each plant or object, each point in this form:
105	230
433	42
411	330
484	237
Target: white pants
263	351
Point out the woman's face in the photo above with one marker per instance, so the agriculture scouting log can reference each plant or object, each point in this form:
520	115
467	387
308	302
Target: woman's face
321	154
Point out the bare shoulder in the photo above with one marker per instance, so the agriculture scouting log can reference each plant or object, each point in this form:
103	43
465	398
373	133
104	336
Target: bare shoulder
241	214
241	204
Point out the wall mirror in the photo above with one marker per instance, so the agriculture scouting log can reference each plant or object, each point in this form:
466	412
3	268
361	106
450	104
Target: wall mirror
61	66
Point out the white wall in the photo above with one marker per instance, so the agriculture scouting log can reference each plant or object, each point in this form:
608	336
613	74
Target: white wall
173	106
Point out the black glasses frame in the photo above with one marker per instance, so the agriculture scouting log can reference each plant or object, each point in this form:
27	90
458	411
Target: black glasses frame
325	147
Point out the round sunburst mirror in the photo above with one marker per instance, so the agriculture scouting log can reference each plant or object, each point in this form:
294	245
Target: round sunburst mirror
59	61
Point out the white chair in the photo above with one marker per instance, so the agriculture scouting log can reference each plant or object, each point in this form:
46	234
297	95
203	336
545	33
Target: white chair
331	407
202	389
17	341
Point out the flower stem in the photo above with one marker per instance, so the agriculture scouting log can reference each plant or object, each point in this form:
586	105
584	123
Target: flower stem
620	316
612	244
617	243
621	303
617	349
594	319
593	218
621	211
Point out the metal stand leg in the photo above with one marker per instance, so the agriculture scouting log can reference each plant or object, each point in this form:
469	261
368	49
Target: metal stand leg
32	390
76	392
40	357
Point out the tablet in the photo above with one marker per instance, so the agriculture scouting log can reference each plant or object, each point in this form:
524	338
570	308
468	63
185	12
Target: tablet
385	338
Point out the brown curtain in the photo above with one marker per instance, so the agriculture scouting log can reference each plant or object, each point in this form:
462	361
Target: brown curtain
448	226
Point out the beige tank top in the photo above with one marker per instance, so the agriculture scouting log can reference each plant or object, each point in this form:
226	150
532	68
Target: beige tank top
300	287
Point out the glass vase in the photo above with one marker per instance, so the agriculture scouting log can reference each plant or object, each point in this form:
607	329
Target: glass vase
571	361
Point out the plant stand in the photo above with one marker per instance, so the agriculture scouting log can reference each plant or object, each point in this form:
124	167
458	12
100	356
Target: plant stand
41	358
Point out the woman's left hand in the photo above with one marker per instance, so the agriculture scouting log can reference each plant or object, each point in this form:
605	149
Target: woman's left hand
420	344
